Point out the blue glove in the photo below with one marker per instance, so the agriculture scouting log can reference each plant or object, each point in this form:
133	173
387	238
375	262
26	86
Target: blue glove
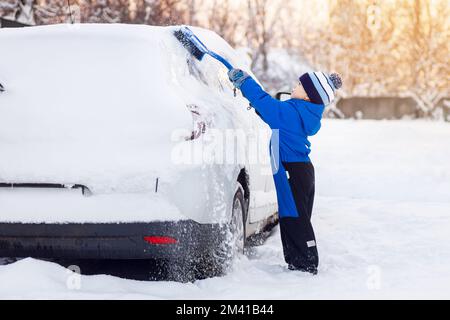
237	76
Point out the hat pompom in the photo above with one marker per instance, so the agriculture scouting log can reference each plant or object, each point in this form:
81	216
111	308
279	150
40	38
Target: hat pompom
336	79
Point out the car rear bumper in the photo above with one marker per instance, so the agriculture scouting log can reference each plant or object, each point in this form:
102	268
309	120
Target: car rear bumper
108	241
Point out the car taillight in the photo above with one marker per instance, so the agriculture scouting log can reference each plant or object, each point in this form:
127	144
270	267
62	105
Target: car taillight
160	240
198	124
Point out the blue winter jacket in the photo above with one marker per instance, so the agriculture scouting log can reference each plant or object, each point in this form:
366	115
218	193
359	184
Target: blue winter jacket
296	120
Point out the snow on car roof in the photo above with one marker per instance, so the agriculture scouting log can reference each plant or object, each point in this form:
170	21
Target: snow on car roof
96	104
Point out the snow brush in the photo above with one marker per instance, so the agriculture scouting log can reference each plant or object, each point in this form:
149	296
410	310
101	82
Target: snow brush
195	47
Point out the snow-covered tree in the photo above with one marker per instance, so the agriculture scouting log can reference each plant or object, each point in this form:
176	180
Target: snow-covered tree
384	48
103	11
18	10
223	19
429	48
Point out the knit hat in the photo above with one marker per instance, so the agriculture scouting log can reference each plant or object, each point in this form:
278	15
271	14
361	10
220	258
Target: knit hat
321	87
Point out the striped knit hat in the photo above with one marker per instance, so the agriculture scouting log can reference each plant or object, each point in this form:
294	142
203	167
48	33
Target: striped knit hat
320	87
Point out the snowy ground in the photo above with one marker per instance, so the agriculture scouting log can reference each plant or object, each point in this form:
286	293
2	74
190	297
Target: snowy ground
382	219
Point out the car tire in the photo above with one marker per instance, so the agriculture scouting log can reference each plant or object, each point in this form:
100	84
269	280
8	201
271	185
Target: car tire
219	260
234	233
238	223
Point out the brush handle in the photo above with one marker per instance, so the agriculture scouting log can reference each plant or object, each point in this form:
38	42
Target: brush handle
220	59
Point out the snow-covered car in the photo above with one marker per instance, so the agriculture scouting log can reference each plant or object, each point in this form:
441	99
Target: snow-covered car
100	131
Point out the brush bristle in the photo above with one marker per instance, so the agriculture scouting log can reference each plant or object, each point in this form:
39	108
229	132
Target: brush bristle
187	43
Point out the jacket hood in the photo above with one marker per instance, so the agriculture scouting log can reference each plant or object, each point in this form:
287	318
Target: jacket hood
310	115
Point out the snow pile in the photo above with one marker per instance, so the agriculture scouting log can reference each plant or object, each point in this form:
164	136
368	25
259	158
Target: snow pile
382	219
98	105
388	160
93	104
60	205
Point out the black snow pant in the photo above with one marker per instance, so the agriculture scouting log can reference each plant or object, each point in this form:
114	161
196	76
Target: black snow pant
297	234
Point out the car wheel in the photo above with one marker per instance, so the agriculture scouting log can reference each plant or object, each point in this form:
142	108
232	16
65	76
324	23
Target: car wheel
237	224
219	260
234	235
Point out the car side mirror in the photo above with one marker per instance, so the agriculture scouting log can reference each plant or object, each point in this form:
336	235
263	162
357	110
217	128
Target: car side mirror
283	96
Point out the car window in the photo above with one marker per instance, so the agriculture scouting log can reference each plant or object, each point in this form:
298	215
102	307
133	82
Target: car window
211	73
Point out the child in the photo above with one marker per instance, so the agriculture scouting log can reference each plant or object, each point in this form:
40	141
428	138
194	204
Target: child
295	120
